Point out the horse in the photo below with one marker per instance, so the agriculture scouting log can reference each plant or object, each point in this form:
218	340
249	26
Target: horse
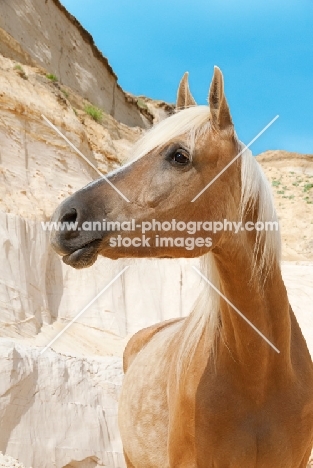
205	391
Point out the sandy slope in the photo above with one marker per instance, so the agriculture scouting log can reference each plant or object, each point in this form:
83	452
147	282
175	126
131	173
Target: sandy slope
291	178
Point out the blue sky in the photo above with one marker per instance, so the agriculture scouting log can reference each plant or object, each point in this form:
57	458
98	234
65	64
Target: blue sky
265	50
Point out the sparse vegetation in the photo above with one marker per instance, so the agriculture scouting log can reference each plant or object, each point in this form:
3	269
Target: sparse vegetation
20	70
141	104
275	183
94	112
66	94
52	77
18	67
307	187
281	191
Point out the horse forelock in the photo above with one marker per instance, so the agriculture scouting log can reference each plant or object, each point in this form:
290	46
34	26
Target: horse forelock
190	124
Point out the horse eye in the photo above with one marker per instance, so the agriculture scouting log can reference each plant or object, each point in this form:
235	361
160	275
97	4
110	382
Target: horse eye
180	157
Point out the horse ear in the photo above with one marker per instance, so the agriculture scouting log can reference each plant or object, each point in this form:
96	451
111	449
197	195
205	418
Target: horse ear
184	96
220	114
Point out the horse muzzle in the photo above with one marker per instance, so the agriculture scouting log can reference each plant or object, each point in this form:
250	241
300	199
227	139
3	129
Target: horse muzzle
78	246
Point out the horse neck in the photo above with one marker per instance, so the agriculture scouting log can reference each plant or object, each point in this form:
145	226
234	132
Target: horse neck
263	302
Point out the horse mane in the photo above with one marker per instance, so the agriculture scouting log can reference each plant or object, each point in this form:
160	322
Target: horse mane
205	316
256	196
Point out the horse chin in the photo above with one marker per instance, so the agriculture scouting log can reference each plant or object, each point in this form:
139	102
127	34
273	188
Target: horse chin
83	257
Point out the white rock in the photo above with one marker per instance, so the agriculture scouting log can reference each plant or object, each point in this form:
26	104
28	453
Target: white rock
64	404
56	409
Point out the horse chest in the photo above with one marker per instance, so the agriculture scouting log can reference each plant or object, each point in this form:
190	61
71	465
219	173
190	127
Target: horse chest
236	431
240	439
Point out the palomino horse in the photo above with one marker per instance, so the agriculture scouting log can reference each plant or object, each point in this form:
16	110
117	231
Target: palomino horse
205	391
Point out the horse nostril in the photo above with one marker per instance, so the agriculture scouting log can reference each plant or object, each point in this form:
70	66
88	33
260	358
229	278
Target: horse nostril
69	217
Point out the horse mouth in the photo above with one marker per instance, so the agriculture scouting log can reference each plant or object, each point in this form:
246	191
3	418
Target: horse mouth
83	257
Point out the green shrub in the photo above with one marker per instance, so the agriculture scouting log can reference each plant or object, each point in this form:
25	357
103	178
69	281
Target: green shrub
52	77
307	187
94	112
